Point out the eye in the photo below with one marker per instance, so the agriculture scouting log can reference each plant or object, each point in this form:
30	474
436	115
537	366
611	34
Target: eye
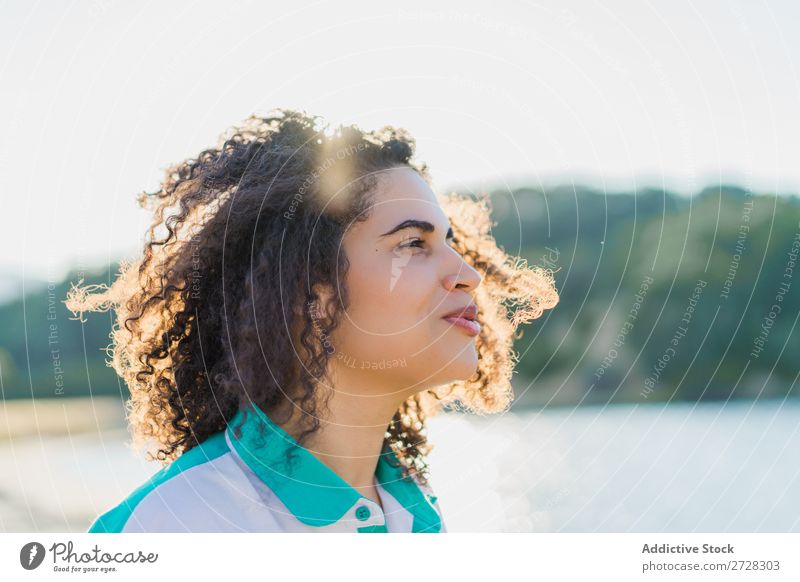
413	243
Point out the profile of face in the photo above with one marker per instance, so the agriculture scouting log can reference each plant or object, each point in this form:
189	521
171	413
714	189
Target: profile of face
404	278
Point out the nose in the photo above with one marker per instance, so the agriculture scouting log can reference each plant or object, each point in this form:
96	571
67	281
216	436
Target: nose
465	277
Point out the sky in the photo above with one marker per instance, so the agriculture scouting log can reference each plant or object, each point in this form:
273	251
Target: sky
98	97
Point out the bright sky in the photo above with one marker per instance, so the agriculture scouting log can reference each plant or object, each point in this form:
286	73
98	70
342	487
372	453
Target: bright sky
98	97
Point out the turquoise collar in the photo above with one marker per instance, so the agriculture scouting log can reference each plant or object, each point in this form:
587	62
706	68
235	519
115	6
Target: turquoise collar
312	491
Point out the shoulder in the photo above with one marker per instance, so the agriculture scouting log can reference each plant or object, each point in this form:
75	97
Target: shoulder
433	499
179	497
425	487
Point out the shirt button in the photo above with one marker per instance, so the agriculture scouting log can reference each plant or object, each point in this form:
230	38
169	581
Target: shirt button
362	513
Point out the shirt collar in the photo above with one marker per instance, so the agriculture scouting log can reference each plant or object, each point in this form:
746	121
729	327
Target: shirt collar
311	490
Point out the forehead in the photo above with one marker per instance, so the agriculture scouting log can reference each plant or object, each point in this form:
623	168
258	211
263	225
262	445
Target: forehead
400	194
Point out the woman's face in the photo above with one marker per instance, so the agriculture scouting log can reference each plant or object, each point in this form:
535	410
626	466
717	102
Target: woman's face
404	277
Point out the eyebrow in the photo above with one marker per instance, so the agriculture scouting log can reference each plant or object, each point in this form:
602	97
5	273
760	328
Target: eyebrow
423	225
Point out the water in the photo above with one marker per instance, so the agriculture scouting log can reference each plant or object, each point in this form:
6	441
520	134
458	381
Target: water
645	468
731	468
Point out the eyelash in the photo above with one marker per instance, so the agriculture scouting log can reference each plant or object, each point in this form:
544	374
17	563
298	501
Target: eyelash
419	243
414	244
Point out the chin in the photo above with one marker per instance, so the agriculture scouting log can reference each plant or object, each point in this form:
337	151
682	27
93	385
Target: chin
463	368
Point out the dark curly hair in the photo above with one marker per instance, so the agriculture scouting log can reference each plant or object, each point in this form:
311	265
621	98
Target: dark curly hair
249	229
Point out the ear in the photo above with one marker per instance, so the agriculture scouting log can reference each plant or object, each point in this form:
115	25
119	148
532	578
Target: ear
325	307
323	304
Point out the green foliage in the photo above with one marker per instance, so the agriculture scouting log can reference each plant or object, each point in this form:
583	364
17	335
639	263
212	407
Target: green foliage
608	244
44	352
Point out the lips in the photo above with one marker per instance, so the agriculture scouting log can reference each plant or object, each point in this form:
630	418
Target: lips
464	319
469	312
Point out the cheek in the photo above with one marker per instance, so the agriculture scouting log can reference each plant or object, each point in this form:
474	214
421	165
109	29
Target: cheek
393	297
399	323
389	315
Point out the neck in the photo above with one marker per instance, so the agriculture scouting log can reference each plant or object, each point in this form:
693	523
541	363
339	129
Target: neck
352	429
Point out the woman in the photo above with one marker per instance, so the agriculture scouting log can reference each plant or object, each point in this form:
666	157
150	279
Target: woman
308	303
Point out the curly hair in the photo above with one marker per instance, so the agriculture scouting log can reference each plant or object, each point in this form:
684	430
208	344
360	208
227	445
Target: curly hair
250	228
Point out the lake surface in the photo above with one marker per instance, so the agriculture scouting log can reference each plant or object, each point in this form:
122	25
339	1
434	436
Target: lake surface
639	468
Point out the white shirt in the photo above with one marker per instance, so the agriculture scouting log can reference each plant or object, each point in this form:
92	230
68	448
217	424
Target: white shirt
230	484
